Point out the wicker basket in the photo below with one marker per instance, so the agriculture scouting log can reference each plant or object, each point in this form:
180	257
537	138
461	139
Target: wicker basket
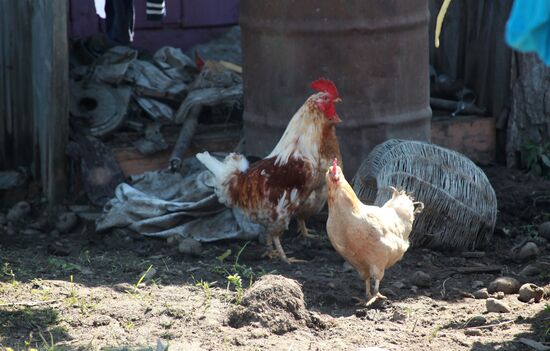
460	204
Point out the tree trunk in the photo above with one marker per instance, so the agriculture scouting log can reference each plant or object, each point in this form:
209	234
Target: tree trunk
529	118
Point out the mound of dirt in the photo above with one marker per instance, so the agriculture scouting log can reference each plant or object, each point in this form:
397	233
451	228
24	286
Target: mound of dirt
276	303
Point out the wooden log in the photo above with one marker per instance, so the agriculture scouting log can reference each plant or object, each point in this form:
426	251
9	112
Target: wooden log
186	135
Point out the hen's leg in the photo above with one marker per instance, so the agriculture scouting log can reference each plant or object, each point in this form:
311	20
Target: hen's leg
282	255
361	301
304	231
378	275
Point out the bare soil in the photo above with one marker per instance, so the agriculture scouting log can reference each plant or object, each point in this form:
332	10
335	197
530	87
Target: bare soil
85	290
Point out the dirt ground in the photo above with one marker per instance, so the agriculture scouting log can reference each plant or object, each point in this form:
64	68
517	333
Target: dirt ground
85	290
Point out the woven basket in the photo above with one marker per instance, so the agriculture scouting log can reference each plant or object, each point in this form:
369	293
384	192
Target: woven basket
460	204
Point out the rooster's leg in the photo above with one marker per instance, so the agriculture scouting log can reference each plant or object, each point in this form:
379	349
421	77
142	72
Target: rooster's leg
270	252
282	255
304	231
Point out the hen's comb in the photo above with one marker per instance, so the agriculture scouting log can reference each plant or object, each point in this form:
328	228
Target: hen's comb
334	164
326	86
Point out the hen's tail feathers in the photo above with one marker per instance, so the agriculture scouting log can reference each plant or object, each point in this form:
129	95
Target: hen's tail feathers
216	167
418	207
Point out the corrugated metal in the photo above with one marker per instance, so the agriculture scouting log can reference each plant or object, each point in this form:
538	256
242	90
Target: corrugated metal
34	89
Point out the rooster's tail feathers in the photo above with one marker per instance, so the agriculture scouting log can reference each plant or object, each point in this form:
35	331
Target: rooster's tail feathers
216	167
221	170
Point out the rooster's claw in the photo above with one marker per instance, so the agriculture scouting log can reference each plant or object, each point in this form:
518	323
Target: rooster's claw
305	232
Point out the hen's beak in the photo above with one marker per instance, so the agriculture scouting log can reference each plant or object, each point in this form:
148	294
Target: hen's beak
337	100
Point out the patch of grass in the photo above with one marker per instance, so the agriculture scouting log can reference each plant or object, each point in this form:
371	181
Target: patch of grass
530	230
409	312
536	158
58	264
128	325
43	294
143	277
49	345
7	271
221	258
434	333
134	291
236	281
85	257
21	324
72	298
205	286
236	267
84	304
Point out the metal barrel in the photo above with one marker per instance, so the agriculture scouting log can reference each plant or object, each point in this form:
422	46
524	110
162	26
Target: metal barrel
376	52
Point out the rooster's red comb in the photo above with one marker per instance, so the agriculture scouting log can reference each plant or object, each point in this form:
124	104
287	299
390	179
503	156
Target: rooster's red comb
334	165
326	86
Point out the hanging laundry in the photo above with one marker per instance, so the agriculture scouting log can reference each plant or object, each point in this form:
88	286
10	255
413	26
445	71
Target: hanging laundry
120	20
528	27
156	10
100	8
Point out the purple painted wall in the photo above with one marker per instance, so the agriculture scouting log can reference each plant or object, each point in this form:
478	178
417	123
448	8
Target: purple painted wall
187	22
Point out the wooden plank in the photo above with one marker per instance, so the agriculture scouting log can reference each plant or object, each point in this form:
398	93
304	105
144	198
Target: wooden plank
58	126
16	127
132	162
472	136
51	93
34	90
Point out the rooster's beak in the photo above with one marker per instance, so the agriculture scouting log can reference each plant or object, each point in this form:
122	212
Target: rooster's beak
337	100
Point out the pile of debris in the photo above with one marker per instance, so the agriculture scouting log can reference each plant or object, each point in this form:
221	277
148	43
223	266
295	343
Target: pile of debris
124	99
114	87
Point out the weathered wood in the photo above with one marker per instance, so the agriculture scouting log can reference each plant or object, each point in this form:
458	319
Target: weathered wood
186	135
34	90
16	117
58	123
472	136
473	49
529	117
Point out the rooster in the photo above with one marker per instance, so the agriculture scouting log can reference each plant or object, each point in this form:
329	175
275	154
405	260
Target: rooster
370	238
318	197
271	191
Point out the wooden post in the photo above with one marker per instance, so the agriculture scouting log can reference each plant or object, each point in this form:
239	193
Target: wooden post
50	68
34	90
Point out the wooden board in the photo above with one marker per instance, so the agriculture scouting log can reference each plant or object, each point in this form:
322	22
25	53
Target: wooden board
472	136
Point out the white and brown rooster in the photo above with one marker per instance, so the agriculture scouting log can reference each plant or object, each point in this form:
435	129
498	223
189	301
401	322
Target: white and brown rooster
272	190
370	238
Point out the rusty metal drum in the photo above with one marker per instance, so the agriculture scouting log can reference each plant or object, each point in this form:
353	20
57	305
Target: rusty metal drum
376	52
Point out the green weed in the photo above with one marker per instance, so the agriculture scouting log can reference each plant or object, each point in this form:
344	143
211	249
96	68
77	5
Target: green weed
236	281
536	158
